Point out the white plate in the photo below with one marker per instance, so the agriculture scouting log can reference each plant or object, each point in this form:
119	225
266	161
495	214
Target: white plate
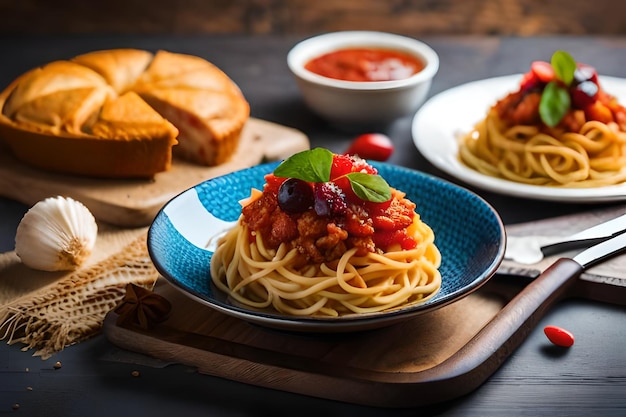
443	117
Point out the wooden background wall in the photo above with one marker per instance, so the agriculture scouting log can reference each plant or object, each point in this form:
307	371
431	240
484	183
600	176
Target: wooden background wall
302	17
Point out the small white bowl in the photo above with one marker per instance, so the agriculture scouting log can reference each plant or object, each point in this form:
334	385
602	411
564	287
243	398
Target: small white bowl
366	103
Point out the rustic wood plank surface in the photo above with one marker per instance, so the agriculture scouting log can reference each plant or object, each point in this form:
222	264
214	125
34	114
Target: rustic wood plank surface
98	379
301	17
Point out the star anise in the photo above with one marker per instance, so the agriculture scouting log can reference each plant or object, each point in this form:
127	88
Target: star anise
142	307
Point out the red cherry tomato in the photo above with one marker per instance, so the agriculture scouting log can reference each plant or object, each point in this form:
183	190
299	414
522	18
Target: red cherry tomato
374	146
559	336
543	70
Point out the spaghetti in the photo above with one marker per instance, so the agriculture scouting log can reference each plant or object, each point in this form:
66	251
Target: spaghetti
592	157
551	132
350	275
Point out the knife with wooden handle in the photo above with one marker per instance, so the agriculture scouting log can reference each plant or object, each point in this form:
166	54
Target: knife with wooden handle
469	367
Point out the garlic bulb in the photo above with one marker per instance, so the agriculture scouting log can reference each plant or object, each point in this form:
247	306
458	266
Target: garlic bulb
56	234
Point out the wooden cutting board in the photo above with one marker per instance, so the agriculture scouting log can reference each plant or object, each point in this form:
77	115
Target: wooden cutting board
134	203
438	356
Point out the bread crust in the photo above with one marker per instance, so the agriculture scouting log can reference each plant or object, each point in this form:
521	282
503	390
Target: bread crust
119	67
122	113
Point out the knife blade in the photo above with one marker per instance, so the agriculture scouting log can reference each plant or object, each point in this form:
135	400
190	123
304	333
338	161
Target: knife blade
601	251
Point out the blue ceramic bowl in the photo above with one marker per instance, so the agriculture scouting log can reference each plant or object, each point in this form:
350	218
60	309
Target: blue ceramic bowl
468	232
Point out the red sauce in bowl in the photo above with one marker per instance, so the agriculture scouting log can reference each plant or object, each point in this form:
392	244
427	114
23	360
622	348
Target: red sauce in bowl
365	64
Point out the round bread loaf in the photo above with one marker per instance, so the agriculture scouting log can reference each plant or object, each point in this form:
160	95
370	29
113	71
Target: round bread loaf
122	113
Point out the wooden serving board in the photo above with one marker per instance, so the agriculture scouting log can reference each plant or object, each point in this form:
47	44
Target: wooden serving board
134	203
430	358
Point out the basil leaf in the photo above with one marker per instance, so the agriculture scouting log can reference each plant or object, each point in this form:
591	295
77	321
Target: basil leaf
564	66
369	187
312	165
554	104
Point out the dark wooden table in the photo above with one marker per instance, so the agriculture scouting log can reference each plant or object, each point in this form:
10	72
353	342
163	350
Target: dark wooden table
588	379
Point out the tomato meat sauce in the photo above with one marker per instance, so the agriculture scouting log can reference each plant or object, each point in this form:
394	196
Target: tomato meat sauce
365	64
367	226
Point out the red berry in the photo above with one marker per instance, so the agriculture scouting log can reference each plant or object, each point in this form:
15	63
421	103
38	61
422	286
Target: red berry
584	94
374	146
329	200
559	336
543	70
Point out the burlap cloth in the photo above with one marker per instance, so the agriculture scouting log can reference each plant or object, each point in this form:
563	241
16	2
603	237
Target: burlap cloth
47	311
